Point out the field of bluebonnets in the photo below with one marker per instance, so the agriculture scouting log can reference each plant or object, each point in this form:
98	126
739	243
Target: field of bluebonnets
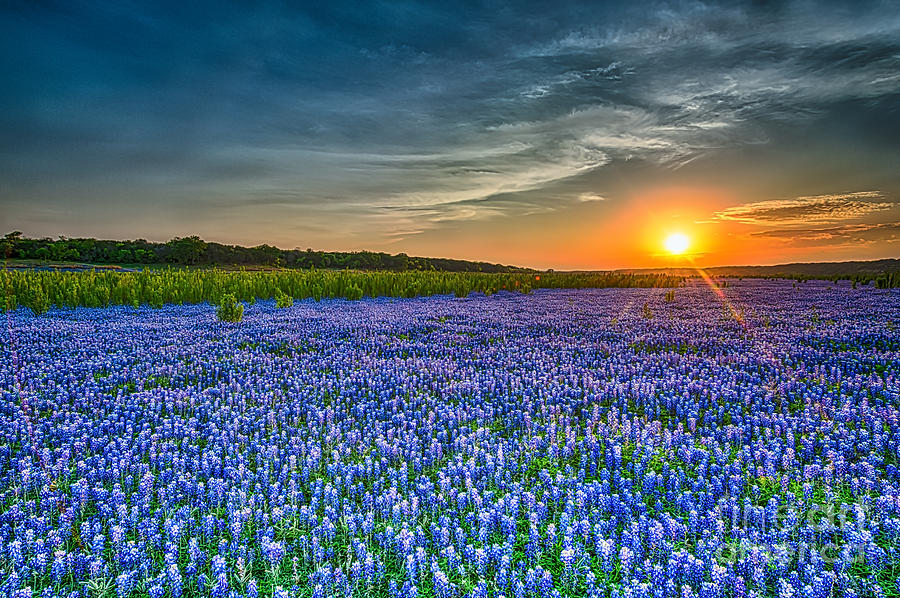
603	442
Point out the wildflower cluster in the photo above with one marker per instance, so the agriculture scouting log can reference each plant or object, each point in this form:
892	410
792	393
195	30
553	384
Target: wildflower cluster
553	444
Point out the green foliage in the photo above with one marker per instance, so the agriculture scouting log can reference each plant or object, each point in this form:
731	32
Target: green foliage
282	299
646	312
193	251
100	587
38	301
681	348
229	309
670	296
186	250
888	280
353	293
883	273
40	290
10	243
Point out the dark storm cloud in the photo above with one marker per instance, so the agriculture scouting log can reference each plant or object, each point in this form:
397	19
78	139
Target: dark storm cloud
407	115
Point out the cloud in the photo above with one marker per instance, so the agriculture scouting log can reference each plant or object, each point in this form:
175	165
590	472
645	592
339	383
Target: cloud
849	234
821	209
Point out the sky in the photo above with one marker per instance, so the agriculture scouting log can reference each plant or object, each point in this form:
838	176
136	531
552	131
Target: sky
568	135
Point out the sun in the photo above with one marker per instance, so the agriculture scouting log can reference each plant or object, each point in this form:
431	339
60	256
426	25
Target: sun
677	243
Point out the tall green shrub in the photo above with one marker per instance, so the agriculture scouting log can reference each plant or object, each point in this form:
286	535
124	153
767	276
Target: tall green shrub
282	299
229	309
39	303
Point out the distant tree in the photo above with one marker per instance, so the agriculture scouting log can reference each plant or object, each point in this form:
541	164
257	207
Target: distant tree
60	250
186	250
10	242
266	254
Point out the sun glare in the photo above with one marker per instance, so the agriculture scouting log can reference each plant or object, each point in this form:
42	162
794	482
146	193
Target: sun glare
677	243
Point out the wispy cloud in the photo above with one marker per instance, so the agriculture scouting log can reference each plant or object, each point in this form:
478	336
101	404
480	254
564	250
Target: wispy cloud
816	209
849	234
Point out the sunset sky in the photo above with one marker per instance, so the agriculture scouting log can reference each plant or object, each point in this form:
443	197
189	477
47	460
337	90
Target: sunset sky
545	134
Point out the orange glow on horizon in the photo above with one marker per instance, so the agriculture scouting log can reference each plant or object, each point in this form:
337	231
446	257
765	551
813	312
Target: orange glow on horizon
629	232
667	226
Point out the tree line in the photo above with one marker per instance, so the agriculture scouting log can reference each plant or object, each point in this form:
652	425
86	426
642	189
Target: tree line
194	251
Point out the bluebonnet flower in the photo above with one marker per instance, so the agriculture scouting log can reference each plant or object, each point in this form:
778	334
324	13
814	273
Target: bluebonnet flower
481	561
369	568
273	552
546	582
59	566
124	585
567	556
605	552
625	559
174	580
12	582
220	586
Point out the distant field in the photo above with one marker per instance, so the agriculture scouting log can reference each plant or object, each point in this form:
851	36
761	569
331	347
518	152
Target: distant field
40	290
884	273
